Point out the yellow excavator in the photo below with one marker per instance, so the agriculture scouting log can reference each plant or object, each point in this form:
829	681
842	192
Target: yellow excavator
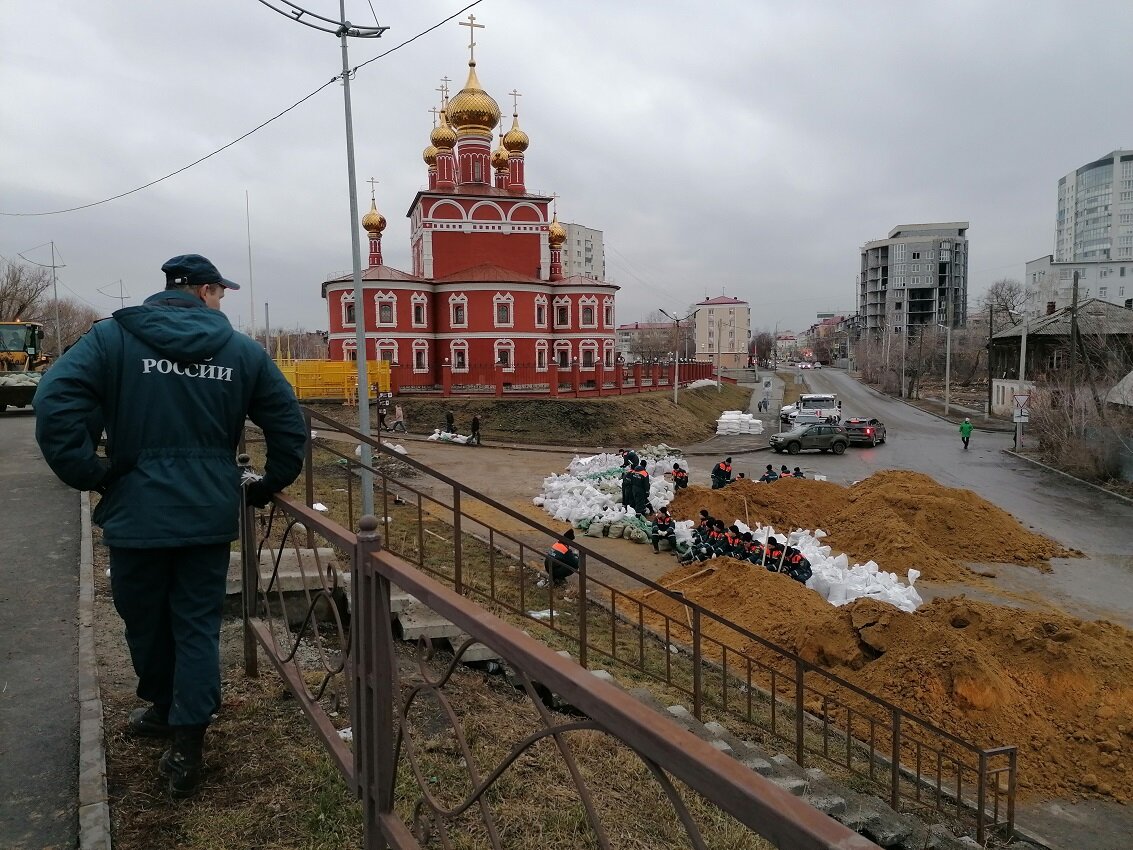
22	362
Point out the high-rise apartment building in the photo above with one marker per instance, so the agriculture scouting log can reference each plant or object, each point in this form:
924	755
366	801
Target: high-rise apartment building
583	253
723	329
1095	211
917	276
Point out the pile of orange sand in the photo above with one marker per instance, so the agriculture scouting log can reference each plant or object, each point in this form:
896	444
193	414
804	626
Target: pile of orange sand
902	520
1058	688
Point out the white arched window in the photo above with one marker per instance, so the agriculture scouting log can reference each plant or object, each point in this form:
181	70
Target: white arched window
420	306
503	310
458	355
505	354
458	311
562	353
588	354
350	350
562	312
420	355
385	308
608	354
541	355
540	311
588	312
387	350
608	312
346	303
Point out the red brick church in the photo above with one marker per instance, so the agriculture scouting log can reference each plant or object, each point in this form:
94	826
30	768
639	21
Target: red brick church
486	295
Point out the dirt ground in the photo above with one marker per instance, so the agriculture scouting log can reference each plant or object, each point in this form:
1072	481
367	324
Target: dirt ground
613	422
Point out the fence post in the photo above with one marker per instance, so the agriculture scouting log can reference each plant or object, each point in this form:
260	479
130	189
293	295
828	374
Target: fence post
499	381
582	630
655	375
895	765
800	731
637	377
457	547
619	377
981	797
599	376
249	575
553	378
374	686
697	684
575	377
446	379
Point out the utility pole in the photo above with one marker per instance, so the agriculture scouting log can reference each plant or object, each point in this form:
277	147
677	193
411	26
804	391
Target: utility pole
344	29
990	372
947	354
251	288
677	351
1074	334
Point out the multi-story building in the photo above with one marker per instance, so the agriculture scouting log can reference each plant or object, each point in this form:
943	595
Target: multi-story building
1052	283
1095	211
488	290
917	276
723	328
583	253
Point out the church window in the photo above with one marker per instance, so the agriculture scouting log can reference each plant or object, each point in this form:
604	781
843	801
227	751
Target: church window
505	354
420	304
387	350
541	355
420	355
458	311
562	312
458	351
386	304
348	308
503	303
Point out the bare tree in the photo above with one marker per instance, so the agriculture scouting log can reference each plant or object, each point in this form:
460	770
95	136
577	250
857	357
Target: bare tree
763	341
654	343
22	288
1005	298
75	319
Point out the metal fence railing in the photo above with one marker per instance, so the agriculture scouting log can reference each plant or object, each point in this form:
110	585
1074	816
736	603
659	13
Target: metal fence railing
489	553
344	669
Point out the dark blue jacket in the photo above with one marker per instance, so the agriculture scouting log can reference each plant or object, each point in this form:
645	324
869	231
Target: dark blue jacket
172	382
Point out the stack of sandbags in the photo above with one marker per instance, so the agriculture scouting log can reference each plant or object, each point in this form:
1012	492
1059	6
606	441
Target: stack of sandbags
738	422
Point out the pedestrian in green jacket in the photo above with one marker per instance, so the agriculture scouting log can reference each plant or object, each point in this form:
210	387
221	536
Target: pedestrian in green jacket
172	384
966	432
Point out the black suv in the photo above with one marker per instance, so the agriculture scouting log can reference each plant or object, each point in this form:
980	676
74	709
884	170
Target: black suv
867	432
825	438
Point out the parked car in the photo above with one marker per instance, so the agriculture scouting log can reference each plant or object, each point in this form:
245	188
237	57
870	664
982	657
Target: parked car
817	365
824	437
863	431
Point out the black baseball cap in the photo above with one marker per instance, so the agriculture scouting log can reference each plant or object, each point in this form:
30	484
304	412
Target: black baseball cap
193	270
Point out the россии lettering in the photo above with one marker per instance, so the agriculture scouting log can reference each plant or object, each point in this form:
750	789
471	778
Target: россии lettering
189	370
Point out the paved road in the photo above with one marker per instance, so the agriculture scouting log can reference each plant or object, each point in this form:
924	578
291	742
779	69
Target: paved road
39	587
1097	586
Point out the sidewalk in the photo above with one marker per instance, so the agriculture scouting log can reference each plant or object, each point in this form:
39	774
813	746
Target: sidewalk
39	676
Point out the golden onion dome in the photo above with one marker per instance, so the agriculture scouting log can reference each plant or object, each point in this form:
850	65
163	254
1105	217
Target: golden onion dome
515	140
499	158
374	221
556	233
443	135
472	110
430	155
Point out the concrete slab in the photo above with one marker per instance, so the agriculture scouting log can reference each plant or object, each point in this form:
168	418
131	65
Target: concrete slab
298	570
417	622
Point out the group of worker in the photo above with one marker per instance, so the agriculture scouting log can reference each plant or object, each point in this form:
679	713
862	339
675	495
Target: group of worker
771	475
712	539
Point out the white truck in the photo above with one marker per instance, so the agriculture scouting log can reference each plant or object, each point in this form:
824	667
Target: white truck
812	407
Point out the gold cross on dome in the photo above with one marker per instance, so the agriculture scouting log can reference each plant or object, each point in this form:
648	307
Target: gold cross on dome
373	182
515	96
472	27
443	89
435	112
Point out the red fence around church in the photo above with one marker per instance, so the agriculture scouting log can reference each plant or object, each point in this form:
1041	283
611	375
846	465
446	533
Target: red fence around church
527	380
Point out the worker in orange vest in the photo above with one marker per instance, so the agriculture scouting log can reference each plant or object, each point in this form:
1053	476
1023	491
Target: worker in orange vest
561	562
722	473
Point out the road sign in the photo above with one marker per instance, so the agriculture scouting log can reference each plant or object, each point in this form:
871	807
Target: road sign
1022	415
1022	401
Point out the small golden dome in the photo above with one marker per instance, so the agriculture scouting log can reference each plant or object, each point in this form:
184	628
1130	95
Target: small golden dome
556	233
374	221
430	155
472	110
515	140
499	159
443	135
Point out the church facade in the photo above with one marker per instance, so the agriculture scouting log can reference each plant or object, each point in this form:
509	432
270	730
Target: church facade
486	295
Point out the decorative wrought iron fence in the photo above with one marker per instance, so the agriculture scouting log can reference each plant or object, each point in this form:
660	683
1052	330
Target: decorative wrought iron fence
487	552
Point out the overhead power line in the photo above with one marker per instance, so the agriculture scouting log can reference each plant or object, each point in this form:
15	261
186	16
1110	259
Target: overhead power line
255	129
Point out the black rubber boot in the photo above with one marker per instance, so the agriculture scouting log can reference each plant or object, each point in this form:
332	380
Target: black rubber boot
182	763
150	722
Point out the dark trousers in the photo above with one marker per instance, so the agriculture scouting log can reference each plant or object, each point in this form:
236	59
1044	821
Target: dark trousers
171	601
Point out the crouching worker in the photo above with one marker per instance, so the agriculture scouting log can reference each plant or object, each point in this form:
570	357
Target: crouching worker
680	477
796	565
664	528
562	561
722	474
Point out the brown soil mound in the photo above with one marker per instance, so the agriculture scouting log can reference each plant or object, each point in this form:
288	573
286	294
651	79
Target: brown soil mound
1058	688
902	520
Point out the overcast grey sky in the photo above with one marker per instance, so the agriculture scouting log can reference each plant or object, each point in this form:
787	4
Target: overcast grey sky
744	147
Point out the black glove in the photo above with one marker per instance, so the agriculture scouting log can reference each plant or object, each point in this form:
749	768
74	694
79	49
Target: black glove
257	493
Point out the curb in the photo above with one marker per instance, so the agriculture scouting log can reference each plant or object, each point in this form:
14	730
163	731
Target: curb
1039	463
94	805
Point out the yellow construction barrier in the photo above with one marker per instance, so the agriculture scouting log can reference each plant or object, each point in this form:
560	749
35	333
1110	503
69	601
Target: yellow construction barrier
333	379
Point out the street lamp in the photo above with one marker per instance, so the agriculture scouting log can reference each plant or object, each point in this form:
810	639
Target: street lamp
344	29
677	350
